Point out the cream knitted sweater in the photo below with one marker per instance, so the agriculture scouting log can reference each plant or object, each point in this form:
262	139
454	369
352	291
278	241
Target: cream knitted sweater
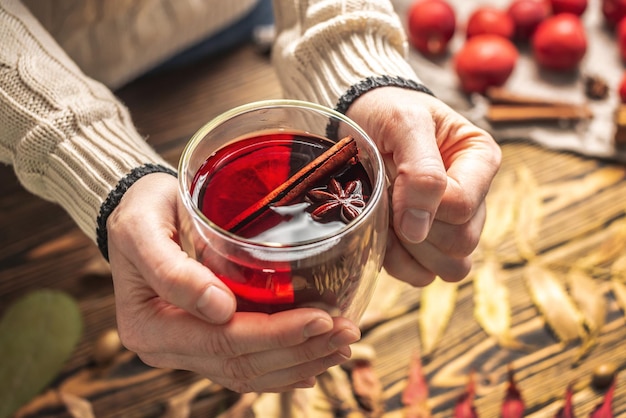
71	141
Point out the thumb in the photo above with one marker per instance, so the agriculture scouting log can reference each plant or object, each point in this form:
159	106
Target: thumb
404	131
184	282
144	254
418	179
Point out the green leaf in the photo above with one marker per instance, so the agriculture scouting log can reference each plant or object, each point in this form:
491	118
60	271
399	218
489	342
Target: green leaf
37	335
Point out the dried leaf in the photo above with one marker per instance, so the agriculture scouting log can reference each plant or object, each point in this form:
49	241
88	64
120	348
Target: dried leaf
300	401
179	406
619	290
269	405
610	248
513	404
76	406
492	308
415	394
605	409
437	302
567	410
335	385
317	404
589	298
618	268
242	407
566	193
501	201
464	407
291	404
529	213
554	303
385	305
367	387
37	335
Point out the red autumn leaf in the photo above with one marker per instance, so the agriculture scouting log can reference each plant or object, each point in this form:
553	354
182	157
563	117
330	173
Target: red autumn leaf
415	394
465	404
604	409
367	386
513	405
567	410
416	389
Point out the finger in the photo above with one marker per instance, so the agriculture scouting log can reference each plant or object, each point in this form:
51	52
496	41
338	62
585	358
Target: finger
299	376
293	375
303	384
404	131
262	363
250	373
419	264
150	248
449	268
264	369
403	266
458	240
420	179
245	333
475	159
184	282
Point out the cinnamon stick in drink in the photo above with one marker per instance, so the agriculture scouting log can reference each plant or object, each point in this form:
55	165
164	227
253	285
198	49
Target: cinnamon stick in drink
339	155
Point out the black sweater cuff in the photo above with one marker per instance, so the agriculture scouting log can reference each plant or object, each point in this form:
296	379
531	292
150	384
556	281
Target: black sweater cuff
371	83
115	196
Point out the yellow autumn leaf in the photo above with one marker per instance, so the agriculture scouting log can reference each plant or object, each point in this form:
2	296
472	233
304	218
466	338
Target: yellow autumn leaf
437	302
492	308
556	306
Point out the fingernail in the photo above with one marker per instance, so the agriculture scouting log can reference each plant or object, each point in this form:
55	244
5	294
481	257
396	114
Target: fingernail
318	326
344	337
345	352
414	225
216	305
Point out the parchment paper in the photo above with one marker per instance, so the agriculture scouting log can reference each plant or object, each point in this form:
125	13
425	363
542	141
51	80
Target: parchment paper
592	138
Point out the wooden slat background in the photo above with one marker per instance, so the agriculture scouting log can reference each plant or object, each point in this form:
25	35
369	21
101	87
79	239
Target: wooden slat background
40	247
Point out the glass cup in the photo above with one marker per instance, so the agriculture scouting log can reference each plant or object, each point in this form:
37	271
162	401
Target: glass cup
305	263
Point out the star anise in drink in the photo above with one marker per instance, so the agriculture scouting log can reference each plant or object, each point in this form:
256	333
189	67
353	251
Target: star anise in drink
337	202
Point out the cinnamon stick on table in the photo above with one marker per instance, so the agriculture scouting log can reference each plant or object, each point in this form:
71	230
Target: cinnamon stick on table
341	153
501	95
535	113
507	106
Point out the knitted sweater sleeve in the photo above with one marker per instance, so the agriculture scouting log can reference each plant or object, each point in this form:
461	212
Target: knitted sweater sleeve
68	138
323	47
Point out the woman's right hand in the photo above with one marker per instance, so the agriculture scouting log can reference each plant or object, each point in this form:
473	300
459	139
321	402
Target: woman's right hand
175	313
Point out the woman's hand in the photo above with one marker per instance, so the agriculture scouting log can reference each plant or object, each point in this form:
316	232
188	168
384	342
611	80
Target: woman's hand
175	313
440	167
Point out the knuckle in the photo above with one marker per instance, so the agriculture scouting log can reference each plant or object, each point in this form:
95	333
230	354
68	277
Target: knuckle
460	210
464	243
456	270
404	115
221	345
131	339
240	368
306	353
117	224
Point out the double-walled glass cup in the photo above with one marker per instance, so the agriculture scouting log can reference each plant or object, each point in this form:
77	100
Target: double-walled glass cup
334	271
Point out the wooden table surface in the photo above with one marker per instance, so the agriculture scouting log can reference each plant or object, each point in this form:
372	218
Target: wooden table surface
584	199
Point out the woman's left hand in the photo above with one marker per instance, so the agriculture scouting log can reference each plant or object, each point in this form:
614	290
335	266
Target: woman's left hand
440	166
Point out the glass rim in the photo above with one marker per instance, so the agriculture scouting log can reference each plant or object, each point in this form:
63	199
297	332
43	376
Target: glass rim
378	184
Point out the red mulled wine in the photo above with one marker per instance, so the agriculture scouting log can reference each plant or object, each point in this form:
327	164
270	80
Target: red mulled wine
284	190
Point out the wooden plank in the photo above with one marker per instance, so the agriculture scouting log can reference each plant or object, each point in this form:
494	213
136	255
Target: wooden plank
40	247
